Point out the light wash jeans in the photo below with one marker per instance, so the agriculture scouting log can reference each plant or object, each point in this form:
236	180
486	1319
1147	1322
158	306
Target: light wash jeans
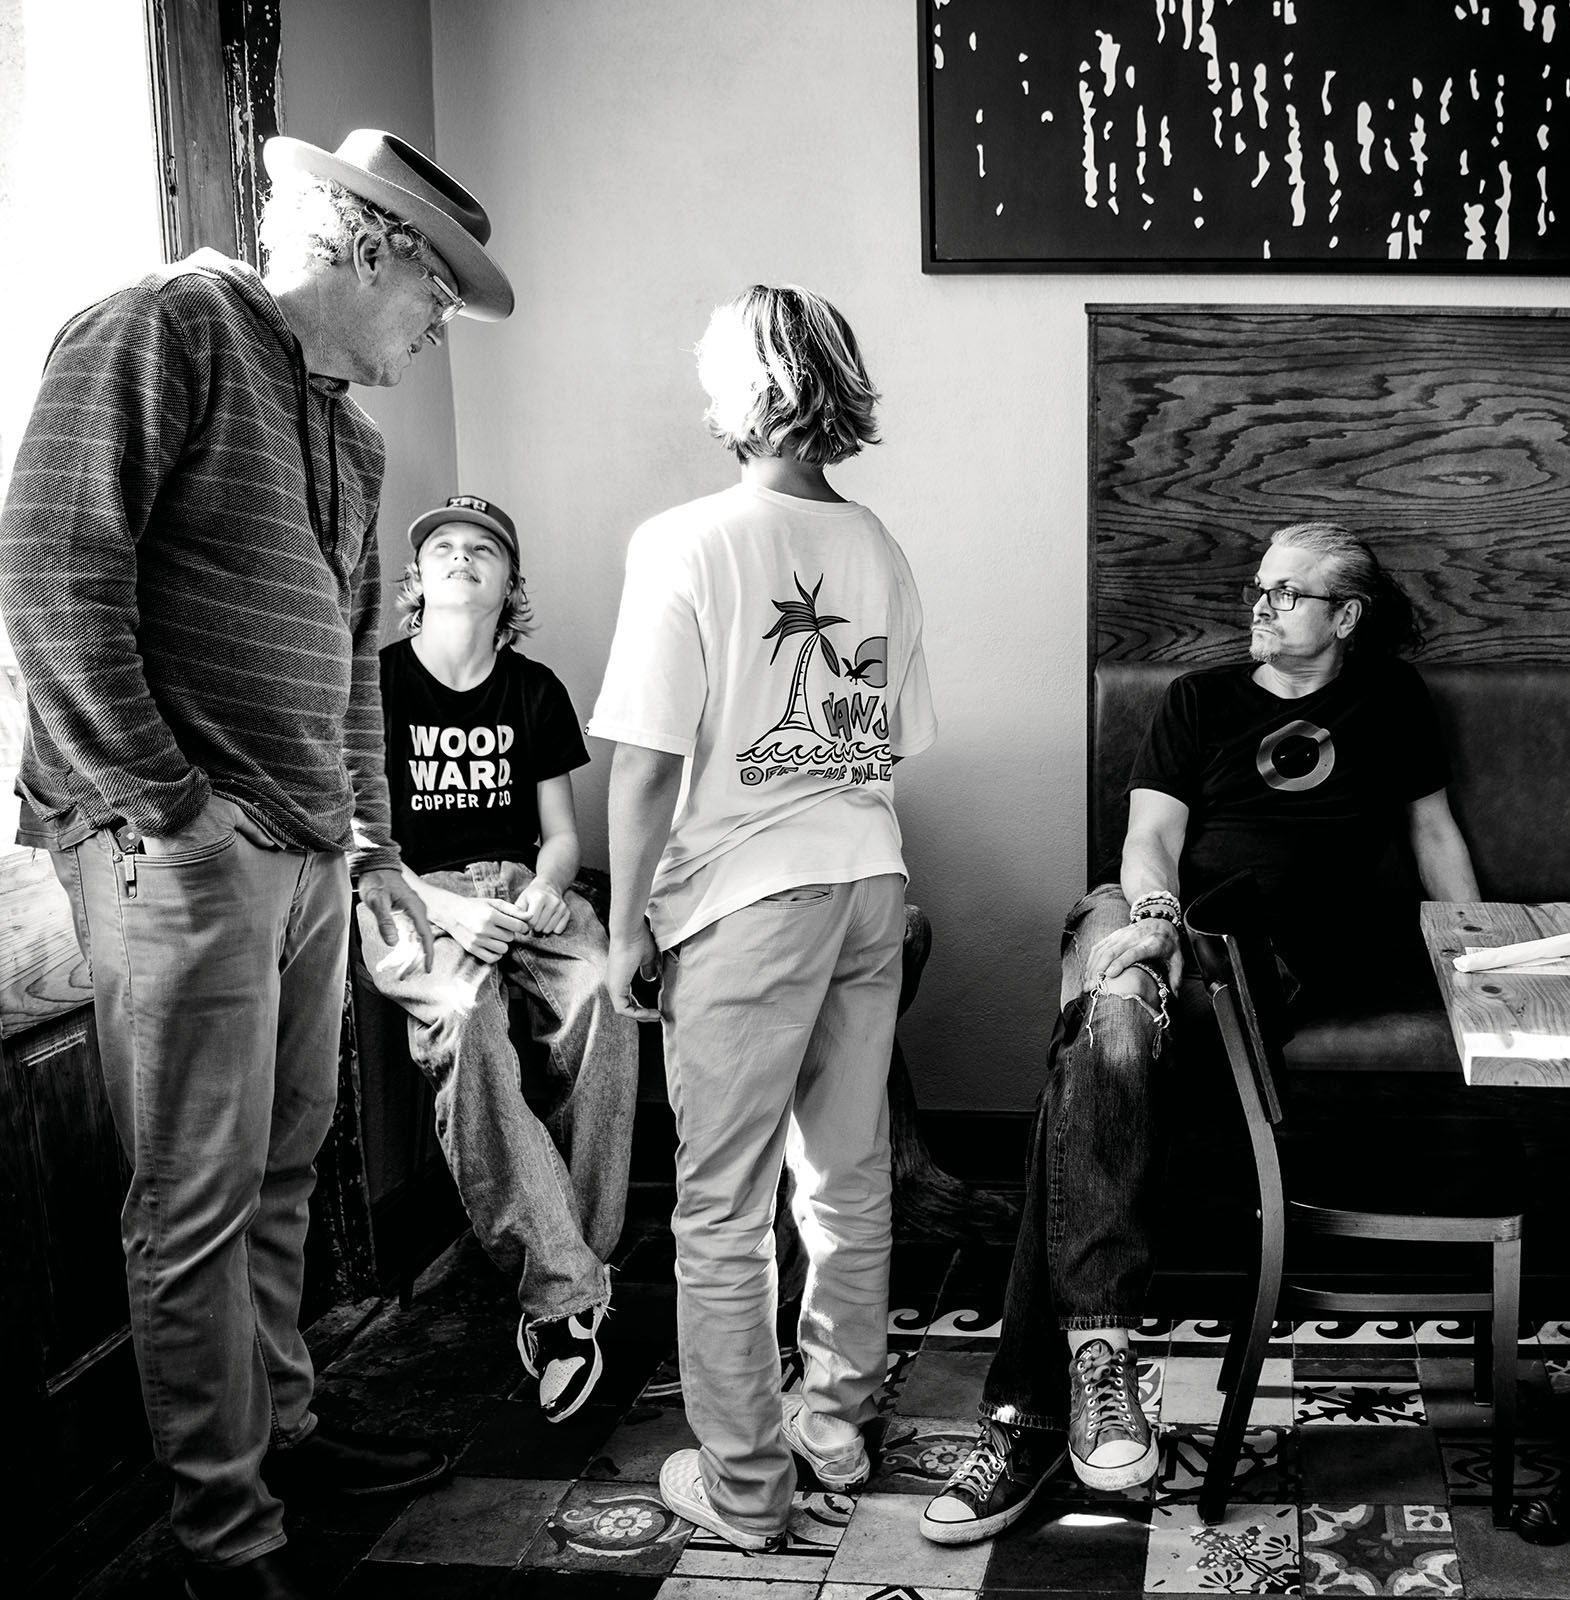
550	1224
778	1026
218	992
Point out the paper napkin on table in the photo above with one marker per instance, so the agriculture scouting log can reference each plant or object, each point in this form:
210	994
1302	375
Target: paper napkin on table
1534	955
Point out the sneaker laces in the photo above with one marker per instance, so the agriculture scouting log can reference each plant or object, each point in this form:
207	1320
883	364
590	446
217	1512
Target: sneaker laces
1105	1391
985	1464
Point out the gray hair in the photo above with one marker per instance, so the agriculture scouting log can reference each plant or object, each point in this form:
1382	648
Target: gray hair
1389	624
314	219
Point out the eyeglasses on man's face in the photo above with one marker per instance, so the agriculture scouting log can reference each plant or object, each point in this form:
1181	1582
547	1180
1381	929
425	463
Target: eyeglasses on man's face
450	301
1281	597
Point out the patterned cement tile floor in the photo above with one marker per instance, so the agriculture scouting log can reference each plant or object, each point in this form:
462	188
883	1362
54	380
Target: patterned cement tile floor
1365	1470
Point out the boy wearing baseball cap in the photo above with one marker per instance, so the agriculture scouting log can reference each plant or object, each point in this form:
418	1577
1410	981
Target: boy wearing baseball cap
481	742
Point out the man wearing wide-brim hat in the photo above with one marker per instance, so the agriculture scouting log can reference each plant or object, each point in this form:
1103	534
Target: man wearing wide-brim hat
189	574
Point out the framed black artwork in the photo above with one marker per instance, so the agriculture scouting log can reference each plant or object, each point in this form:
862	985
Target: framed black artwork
1226	135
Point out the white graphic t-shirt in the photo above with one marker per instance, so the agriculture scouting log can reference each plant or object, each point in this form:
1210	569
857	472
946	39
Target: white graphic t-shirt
776	643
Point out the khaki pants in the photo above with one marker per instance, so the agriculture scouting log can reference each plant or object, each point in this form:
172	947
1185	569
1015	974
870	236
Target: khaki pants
779	1023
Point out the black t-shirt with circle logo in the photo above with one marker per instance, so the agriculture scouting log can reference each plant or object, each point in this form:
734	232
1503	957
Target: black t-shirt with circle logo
1308	794
462	765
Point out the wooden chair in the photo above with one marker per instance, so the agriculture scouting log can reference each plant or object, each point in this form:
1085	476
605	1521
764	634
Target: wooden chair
1422	1180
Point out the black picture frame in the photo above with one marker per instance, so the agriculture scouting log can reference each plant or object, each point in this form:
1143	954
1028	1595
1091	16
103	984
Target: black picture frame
1412	136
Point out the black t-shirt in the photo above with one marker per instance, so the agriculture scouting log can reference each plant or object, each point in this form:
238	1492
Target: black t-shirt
1308	794
462	765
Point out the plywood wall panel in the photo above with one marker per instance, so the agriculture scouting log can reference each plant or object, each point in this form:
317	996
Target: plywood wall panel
1442	437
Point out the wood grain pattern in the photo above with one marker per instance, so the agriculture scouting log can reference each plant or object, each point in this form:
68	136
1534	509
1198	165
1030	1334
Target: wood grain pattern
1442	437
42	974
1510	1028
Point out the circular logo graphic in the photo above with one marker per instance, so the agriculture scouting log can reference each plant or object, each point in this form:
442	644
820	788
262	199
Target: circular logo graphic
1299	755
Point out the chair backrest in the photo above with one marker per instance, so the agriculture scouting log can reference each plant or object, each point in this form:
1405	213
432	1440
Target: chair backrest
1230	941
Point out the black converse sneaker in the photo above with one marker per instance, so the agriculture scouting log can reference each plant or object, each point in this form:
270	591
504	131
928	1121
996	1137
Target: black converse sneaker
565	1356
994	1484
1109	1439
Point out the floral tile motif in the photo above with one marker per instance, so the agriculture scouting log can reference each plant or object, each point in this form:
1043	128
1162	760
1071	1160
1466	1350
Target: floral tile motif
1468	1467
610	1526
1266	1468
1346	1404
1375	1549
817	1523
1254	1551
1558	1373
919	1453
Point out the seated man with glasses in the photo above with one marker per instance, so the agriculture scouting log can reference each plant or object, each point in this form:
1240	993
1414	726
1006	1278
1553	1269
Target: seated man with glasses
1304	765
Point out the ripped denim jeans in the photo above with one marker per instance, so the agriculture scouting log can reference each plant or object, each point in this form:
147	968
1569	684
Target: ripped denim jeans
1084	1254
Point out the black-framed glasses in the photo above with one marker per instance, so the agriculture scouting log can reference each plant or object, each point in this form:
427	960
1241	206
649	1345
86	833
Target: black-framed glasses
1281	598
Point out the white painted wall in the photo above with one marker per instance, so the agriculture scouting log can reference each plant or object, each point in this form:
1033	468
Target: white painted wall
367	64
645	160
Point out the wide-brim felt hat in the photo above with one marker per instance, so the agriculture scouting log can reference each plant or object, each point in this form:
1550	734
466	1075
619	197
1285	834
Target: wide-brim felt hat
466	508
391	173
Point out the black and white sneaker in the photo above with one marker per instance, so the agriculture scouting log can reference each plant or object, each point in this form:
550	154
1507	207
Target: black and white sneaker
565	1356
1110	1440
993	1485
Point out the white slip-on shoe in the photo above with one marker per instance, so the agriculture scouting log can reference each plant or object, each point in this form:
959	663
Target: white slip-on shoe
681	1488
841	1464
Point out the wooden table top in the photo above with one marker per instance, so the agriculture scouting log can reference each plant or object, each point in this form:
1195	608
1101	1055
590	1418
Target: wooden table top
1511	1027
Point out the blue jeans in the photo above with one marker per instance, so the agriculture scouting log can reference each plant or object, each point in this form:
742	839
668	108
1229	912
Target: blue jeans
778	1028
218	994
1084	1253
549	1223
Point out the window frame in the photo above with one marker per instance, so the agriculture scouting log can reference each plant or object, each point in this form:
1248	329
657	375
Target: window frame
214	71
215	103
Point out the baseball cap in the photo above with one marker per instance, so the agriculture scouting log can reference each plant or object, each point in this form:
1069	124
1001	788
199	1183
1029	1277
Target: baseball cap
467	508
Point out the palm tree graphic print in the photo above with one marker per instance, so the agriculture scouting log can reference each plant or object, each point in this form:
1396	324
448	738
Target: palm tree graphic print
852	739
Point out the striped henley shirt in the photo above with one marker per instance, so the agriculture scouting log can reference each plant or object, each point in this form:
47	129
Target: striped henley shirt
189	575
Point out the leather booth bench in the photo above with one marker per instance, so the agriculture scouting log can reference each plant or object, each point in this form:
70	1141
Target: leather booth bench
1507	733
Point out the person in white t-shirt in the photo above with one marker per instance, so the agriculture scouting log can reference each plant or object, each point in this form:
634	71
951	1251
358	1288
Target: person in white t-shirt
765	676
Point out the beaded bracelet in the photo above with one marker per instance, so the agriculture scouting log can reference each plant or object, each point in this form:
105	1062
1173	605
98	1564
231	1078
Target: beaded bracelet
1158	903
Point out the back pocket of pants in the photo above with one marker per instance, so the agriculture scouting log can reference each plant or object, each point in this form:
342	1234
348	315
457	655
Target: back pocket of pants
801	894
